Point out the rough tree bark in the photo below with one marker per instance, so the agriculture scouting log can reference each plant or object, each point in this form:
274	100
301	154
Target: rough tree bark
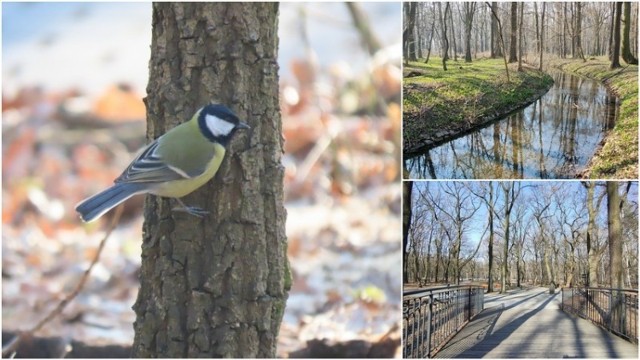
509	198
445	41
520	45
409	33
615	234
542	35
216	286
626	44
496	49
579	31
615	54
469	11
503	51
513	50
407	187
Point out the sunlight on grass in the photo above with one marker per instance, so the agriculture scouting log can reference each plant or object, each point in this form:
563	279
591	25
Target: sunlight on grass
464	95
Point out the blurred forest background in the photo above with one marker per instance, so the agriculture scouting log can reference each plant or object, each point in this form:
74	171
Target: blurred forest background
74	76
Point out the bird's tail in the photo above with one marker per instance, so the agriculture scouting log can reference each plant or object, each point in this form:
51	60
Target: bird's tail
95	206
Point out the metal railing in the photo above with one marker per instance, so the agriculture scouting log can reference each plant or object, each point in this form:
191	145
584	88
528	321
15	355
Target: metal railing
613	309
432	317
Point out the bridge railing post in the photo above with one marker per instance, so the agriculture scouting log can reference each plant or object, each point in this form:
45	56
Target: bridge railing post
429	325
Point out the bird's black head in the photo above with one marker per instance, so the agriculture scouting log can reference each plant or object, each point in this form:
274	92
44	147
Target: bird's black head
218	123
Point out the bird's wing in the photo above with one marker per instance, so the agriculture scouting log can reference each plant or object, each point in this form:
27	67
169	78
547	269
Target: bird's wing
149	167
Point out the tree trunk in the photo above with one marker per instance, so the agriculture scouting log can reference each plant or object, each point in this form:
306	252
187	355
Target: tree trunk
612	26
520	50
433	24
626	44
216	286
592	251
453	34
542	35
502	46
579	30
490	249
535	7
615	234
615	55
468	24
564	30
496	49
513	50
407	187
445	41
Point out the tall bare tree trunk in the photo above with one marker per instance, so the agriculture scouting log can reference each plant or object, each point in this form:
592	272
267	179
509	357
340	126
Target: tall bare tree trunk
502	46
433	25
542	36
490	249
410	31
592	249
407	187
612	26
615	234
495	47
469	10
579	30
520	54
445	41
615	55
626	44
453	34
615	254
216	286
513	50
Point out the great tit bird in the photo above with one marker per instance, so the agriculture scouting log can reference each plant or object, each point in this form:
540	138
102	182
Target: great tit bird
173	165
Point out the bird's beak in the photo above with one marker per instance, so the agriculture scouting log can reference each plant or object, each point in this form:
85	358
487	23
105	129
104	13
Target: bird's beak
242	125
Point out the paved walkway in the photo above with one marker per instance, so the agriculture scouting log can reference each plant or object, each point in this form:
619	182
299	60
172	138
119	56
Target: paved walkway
530	324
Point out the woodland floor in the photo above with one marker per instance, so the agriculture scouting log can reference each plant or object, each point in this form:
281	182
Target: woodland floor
438	104
618	158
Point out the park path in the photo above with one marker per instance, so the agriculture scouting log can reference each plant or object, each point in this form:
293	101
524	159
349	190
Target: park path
529	324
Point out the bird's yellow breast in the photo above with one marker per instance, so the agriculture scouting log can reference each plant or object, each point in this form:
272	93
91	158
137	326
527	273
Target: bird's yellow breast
180	188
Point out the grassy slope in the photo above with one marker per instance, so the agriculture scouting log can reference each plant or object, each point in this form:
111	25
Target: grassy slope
465	93
618	158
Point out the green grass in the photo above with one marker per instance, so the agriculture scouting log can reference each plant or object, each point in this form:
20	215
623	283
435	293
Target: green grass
466	94
618	158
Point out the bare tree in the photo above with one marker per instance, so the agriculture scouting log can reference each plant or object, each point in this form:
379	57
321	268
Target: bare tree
504	57
409	31
513	50
520	38
407	187
615	56
511	192
445	41
578	32
469	11
615	234
541	36
626	44
593	249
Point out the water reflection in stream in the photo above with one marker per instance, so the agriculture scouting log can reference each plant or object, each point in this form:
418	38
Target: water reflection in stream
555	137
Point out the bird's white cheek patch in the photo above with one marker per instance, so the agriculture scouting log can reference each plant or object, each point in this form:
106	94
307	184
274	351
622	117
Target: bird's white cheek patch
217	126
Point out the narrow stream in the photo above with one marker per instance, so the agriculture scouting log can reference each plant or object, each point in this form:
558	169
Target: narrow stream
553	138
